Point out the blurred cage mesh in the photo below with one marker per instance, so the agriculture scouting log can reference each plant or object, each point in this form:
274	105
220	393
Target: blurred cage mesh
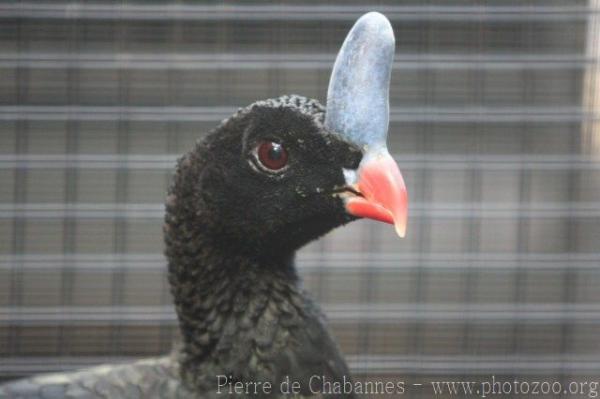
493	121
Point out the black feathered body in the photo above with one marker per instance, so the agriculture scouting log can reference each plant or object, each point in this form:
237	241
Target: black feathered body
150	378
231	235
242	311
251	327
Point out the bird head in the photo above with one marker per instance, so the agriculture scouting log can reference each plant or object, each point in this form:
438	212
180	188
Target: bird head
282	172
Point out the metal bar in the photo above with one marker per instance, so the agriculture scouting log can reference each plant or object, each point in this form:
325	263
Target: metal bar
474	365
359	364
92	211
88	161
308	262
425	161
235	61
427	210
215	114
232	12
114	113
338	313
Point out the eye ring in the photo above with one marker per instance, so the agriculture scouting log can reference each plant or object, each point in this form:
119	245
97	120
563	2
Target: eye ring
271	156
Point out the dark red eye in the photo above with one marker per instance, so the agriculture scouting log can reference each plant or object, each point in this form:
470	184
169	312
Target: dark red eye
272	155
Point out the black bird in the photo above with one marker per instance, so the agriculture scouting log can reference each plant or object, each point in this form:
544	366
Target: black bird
265	182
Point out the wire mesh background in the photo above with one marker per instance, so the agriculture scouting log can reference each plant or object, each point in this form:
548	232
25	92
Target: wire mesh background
493	121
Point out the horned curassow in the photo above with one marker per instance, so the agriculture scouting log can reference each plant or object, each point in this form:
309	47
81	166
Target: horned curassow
269	179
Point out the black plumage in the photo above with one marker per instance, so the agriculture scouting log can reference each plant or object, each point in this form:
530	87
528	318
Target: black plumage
265	182
231	232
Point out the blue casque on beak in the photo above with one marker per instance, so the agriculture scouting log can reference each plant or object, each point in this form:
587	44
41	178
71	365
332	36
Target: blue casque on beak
357	98
358	110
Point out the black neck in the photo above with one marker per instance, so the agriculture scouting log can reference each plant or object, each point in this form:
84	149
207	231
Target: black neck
217	292
227	289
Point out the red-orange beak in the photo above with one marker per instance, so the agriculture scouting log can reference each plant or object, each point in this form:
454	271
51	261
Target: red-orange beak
383	194
358	110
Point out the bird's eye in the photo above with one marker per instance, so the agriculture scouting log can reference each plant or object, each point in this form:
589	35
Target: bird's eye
271	155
